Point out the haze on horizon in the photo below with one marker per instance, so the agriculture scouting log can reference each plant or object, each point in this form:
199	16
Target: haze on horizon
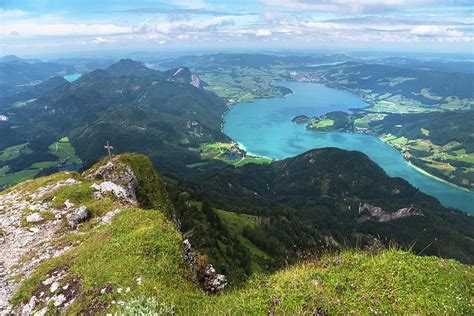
72	27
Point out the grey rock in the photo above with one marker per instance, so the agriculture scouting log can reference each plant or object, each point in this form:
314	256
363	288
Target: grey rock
212	282
80	215
370	212
117	172
34	218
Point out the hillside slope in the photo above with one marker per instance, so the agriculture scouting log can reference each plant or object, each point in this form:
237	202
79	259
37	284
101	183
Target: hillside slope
126	255
326	195
137	109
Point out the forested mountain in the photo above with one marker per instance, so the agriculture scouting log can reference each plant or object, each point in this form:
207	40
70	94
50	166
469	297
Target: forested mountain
18	73
158	113
108	240
322	199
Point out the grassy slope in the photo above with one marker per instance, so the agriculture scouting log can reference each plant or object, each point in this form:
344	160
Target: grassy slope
149	247
235	223
145	244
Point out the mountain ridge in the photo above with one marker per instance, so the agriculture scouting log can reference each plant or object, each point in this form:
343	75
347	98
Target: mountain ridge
77	270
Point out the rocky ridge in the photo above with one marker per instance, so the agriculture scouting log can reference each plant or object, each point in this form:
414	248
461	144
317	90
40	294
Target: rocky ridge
35	224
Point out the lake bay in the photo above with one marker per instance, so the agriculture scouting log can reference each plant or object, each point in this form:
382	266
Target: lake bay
264	128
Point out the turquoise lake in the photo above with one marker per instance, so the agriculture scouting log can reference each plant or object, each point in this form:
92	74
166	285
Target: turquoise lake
72	77
264	128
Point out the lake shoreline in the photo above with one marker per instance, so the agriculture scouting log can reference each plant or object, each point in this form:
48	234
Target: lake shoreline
264	128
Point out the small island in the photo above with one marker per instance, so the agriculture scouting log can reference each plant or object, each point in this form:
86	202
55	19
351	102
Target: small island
330	122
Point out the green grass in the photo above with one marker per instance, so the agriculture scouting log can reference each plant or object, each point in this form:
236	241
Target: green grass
150	190
362	122
235	224
17	177
145	244
140	243
322	123
219	150
43	165
64	150
13	152
393	282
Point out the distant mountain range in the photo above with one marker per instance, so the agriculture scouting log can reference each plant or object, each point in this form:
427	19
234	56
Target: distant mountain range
318	200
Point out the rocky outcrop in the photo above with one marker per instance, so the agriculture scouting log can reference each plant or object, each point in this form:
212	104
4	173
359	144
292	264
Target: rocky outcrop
114	172
27	240
31	223
77	217
368	212
212	282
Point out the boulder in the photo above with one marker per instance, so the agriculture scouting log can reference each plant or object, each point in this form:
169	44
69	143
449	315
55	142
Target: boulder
34	218
212	282
78	216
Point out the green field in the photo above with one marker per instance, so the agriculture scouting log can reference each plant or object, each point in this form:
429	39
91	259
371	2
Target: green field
221	151
235	223
242	84
437	160
14	152
17	177
321	123
62	149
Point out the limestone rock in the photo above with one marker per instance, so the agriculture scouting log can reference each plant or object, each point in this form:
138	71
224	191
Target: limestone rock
80	215
189	255
117	190
117	172
107	219
212	282
371	212
34	218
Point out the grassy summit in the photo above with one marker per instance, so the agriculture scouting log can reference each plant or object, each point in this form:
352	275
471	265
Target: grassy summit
135	264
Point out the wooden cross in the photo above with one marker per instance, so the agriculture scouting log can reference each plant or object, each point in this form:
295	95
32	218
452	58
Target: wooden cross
109	148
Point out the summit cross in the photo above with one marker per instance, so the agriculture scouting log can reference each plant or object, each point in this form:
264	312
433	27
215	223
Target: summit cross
109	150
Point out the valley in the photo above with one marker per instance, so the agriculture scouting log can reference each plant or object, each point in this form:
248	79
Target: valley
287	157
252	190
246	78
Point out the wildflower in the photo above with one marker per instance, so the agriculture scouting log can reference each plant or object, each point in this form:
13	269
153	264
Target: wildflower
337	261
276	300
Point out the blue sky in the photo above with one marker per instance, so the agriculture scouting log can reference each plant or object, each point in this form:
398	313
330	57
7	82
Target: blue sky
66	26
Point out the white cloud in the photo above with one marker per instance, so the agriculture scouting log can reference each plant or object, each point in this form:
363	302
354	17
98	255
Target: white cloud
11	14
102	40
434	30
262	33
190	4
31	28
181	26
340	6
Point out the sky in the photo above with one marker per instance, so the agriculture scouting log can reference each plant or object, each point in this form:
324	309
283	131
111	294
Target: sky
29	27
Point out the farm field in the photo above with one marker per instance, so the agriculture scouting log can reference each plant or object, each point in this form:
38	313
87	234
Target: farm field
62	149
229	153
